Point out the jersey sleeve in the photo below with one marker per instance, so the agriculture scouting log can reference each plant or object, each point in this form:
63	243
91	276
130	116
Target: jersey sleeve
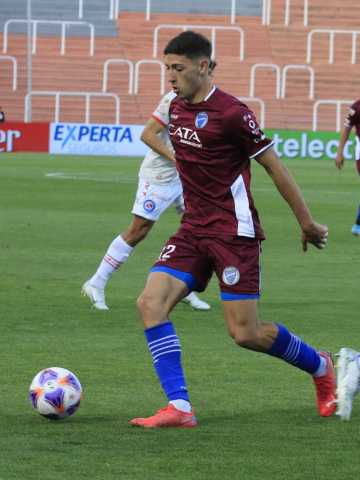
242	129
353	116
161	113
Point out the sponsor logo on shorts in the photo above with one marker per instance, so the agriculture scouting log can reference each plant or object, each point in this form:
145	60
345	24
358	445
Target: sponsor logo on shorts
201	120
149	206
231	275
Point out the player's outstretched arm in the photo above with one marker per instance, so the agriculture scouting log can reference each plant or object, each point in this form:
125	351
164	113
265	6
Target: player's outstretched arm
150	136
312	232
345	133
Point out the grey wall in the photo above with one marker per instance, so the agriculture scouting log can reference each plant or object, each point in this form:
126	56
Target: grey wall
211	7
97	12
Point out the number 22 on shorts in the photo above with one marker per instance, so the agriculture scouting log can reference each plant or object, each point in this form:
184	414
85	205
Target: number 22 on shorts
166	252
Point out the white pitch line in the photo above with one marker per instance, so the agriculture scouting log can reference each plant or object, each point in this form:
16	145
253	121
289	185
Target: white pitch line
87	177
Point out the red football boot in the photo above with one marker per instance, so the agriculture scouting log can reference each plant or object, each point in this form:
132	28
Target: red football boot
167	417
326	388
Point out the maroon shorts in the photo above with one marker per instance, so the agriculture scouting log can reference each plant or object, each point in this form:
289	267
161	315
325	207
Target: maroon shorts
357	163
193	259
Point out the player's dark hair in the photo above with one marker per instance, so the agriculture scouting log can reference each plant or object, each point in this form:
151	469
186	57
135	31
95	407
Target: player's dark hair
190	44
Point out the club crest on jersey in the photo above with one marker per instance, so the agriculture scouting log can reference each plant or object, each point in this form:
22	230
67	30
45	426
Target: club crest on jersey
149	206
201	120
231	275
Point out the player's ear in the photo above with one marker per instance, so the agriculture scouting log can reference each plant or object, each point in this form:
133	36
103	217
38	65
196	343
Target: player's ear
204	66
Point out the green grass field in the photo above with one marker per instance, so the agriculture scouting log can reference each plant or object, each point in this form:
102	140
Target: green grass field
257	415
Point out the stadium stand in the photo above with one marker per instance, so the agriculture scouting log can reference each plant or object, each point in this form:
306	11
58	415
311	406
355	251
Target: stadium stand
274	34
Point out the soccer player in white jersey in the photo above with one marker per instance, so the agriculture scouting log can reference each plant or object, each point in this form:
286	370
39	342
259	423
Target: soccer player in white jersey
159	187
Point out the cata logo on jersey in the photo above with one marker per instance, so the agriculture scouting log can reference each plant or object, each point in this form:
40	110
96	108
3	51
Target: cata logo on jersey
185	135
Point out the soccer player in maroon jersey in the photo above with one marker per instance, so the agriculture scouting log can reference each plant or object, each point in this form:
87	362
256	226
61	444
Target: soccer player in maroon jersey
215	136
352	120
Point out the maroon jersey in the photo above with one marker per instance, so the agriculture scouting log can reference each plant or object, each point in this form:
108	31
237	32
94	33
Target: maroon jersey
214	141
353	117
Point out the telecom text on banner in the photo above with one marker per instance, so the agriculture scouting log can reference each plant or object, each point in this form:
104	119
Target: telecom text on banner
291	144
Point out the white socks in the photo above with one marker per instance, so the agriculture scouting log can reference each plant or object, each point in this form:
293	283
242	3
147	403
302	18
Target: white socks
322	367
182	405
117	253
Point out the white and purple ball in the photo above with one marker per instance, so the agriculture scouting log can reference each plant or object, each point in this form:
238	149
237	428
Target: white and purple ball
55	393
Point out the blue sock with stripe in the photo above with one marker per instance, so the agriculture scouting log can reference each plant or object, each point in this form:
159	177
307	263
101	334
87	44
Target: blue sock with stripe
165	349
293	350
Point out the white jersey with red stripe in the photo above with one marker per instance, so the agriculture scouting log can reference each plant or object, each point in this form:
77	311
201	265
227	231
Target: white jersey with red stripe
155	168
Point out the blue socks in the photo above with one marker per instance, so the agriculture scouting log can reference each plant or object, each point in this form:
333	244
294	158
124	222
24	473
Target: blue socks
165	349
293	350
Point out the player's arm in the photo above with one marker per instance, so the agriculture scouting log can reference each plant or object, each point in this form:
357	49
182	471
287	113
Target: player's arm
344	137
150	136
312	232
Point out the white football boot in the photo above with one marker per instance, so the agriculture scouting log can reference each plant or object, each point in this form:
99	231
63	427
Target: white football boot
194	301
348	381
96	295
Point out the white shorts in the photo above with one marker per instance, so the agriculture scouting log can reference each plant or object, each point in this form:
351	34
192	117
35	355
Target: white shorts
153	199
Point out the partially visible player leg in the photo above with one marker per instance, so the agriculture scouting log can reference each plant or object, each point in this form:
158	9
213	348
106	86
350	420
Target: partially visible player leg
355	230
117	254
348	381
191	299
162	292
356	227
150	201
275	340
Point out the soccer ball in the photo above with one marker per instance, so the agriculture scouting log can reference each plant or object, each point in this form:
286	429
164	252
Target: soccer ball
55	393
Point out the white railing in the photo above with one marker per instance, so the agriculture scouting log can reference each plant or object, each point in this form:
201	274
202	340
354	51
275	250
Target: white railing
267	7
113	9
281	77
285	70
261	103
63	23
57	95
272	66
337	103
232	14
134	73
332	33
137	72
118	61
148	10
10	58
213	28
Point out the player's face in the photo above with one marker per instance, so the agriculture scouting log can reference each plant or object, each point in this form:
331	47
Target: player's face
186	76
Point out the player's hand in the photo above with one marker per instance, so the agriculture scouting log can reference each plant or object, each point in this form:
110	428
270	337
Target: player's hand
316	234
339	161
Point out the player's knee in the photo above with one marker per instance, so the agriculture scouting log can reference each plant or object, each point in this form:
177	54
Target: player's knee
142	303
147	305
